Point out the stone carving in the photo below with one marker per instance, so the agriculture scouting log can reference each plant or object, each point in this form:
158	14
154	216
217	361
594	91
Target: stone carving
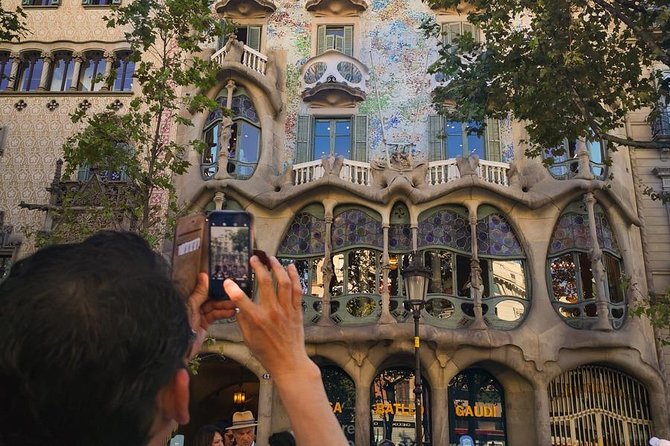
225	133
467	165
525	177
332	165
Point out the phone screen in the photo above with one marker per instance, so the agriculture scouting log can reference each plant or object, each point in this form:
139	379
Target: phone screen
229	245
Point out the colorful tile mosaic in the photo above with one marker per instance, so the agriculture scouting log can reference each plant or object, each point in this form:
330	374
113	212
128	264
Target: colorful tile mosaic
304	237
354	227
495	237
572	232
445	228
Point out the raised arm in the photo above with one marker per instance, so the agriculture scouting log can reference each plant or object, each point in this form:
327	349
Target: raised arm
273	331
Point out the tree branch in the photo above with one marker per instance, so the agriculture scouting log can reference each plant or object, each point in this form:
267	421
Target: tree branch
643	34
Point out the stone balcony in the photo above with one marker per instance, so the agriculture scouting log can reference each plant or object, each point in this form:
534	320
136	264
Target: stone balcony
438	172
333	79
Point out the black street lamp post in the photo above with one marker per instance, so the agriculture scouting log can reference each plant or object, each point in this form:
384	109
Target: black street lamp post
416	278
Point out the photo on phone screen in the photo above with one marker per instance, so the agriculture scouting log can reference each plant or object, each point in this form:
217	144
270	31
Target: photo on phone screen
229	249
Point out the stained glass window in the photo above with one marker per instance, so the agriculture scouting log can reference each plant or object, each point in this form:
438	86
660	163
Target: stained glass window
305	236
495	237
445	227
355	227
572	232
400	238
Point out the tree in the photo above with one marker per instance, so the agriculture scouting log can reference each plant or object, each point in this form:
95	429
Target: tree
567	69
166	39
12	24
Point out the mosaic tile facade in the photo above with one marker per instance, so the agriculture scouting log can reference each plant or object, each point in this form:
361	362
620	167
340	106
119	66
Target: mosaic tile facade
304	236
354	227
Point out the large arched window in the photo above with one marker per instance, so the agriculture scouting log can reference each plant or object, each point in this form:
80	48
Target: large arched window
572	282
5	71
244	144
124	68
476	409
393	407
593	404
62	70
92	71
30	71
445	239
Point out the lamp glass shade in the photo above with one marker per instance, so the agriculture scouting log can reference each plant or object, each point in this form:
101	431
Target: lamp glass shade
416	278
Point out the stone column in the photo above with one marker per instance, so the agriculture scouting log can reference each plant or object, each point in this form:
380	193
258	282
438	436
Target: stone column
109	62
230	86
476	285
219	200
16	61
225	133
328	270
597	268
584	161
386	317
542	406
47	58
78	58
362	415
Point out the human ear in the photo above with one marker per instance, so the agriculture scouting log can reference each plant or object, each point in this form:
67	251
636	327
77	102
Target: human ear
174	398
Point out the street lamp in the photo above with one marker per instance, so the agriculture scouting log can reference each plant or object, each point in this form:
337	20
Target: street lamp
416	278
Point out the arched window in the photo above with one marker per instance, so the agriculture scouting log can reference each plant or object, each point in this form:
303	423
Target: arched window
476	408
593	403
393	407
565	161
124	68
245	138
61	71
92	70
30	71
445	239
5	70
572	282
304	245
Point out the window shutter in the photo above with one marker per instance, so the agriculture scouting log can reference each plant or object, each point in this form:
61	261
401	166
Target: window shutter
321	39
302	151
348	41
85	2
468	28
453	30
55	2
116	2
222	38
493	140
338	43
435	137
360	148
83	173
254	37
25	2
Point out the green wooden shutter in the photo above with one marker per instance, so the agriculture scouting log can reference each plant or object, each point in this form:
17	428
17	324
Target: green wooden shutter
348	47
302	152
435	137
321	39
83	173
222	39
493	140
254	37
360	148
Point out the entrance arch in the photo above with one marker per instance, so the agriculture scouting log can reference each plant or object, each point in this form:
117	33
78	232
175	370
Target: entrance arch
392	400
213	389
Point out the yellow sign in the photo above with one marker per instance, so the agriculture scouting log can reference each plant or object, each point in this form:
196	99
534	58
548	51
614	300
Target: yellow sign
480	410
395	409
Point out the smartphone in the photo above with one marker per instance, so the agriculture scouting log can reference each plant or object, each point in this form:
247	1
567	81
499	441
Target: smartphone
229	251
189	256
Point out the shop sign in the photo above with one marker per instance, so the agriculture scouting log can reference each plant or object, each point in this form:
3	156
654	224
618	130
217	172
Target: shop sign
478	411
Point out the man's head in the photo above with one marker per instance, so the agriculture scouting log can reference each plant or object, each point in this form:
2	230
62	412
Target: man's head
244	428
94	337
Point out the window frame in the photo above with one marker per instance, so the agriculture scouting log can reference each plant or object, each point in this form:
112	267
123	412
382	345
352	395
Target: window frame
6	62
96	80
347	38
121	65
67	71
30	60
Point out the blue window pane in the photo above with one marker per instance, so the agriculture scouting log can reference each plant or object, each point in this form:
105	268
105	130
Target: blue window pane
454	146
343	138
249	141
595	151
90	80
321	146
31	73
476	145
61	79
5	71
124	75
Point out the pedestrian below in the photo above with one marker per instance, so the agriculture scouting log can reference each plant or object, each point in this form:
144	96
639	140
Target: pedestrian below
208	435
283	438
244	428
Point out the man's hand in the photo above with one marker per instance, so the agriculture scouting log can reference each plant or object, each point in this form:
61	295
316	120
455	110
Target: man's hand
204	312
272	327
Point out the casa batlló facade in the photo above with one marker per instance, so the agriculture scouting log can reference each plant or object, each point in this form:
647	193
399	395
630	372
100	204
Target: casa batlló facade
335	148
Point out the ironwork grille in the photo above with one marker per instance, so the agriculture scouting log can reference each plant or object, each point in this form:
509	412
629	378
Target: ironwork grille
598	406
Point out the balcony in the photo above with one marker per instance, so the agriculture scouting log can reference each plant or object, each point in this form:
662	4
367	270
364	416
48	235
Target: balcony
333	79
339	8
660	127
257	9
439	172
236	51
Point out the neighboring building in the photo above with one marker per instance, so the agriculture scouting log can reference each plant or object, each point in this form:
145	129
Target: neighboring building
335	148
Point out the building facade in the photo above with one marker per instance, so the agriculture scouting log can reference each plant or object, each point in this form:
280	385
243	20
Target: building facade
335	148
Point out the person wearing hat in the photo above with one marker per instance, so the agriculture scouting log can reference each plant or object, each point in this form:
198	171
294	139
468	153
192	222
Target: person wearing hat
244	428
